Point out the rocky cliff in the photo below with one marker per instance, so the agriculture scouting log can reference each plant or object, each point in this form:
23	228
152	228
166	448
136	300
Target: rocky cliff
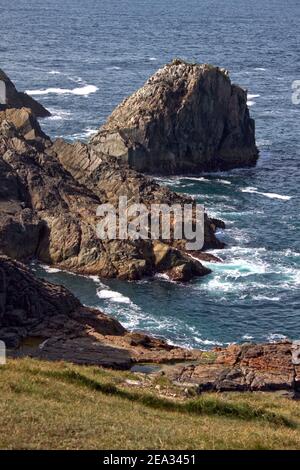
49	196
187	118
17	99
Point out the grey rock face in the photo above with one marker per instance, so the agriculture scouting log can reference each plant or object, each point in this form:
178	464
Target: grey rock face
187	118
49	197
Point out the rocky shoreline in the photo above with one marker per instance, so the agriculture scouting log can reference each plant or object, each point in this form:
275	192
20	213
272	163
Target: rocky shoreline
45	321
187	118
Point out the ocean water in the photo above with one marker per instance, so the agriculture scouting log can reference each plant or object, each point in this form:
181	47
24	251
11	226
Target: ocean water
80	59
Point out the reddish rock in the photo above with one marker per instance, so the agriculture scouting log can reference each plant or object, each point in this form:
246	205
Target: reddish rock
249	367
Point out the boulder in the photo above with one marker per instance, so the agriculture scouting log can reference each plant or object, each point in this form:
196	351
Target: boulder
187	118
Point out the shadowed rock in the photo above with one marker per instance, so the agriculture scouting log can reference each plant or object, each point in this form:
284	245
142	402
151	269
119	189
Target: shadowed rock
45	320
17	99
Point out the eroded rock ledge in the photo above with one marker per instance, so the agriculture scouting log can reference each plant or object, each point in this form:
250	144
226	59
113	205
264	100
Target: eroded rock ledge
187	118
247	367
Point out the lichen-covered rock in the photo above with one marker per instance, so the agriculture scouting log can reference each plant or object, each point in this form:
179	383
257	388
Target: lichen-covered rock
187	118
248	367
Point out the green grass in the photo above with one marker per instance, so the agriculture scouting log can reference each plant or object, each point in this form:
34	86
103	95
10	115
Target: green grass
62	406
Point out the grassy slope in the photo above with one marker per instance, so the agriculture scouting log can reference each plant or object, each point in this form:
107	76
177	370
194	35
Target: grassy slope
62	406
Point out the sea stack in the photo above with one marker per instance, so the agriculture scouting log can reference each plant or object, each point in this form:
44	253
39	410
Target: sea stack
187	118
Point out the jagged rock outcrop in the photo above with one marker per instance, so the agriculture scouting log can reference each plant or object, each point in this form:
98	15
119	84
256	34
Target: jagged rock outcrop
46	213
110	178
44	320
49	197
187	118
16	99
247	367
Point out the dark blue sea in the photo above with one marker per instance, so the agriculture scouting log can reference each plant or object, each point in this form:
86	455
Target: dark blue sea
81	58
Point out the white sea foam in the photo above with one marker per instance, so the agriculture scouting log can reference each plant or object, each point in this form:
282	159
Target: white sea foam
277	196
219	285
164	277
269	195
171	180
81	91
247	337
250	98
265	297
113	296
274	337
290	252
223	181
238	235
49	269
196	178
263	142
238	267
85	134
95	279
207	342
59	114
260	69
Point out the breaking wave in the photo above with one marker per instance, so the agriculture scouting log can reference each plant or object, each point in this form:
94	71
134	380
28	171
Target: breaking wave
80	91
269	195
113	296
